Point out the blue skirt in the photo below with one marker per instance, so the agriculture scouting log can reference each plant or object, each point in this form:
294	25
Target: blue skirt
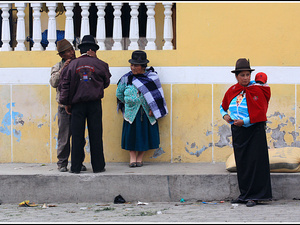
140	135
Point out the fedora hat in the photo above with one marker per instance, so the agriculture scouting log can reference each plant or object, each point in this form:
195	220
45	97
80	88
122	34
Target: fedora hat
138	57
88	40
63	45
241	65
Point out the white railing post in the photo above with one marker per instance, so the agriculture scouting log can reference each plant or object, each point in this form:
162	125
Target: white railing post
37	34
69	25
117	30
101	33
85	25
134	27
51	26
168	28
5	27
151	29
20	36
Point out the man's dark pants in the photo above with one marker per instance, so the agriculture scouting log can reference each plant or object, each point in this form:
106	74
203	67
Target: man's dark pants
92	112
63	137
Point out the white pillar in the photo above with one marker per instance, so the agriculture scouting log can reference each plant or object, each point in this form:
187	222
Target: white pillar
168	28
37	34
20	27
134	27
5	27
51	26
69	25
151	29
117	30
85	25
101	34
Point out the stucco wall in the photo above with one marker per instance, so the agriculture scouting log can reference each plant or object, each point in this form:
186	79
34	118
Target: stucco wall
210	38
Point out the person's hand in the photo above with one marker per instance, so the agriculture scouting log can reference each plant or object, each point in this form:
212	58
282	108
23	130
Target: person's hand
91	53
67	62
151	113
68	109
238	123
227	118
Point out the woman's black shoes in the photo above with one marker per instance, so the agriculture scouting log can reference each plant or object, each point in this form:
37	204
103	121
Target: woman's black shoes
133	164
238	201
251	203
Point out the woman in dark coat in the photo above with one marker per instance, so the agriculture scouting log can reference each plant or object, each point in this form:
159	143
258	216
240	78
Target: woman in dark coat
248	102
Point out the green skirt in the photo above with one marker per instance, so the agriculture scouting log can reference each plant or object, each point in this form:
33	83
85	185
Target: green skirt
140	135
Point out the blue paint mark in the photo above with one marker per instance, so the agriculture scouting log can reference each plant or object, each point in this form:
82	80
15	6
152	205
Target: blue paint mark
6	122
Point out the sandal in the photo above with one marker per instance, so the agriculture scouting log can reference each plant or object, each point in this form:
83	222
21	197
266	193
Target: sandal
139	164
133	164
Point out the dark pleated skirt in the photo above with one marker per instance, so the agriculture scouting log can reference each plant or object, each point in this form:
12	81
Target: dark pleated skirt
140	135
252	162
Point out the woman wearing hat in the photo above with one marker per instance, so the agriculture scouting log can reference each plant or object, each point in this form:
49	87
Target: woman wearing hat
141	100
248	105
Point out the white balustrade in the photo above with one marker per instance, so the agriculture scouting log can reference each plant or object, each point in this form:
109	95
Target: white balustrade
151	29
117	30
51	26
5	27
101	34
168	27
85	25
20	37
69	25
134	27
37	33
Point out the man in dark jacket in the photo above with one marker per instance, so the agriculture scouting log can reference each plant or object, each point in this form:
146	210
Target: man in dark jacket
81	88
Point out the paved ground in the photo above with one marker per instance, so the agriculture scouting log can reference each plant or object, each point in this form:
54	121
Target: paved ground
154	212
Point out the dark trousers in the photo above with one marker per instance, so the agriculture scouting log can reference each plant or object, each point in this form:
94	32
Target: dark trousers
63	137
92	113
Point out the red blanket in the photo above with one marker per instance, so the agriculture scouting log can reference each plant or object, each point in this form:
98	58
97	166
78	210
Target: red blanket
257	97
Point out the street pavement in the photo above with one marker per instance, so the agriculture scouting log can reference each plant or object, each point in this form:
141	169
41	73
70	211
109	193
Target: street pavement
276	211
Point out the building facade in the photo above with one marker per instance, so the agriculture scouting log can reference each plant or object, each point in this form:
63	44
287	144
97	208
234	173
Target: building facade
192	45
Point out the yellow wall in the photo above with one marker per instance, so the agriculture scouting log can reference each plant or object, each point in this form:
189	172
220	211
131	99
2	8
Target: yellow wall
208	34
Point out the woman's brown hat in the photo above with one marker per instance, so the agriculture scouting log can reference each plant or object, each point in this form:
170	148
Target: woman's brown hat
241	65
63	45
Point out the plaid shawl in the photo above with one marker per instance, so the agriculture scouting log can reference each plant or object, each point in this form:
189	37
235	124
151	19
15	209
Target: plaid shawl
149	85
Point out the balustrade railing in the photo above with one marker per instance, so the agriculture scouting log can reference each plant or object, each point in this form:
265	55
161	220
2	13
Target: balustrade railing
16	36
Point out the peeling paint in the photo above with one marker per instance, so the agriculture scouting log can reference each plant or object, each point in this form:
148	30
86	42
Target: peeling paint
6	122
158	152
224	134
40	125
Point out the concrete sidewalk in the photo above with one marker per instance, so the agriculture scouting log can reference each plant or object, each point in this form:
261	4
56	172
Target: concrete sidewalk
154	182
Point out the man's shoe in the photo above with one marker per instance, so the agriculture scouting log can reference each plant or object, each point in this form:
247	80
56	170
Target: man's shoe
63	169
251	203
238	201
100	171
83	168
74	172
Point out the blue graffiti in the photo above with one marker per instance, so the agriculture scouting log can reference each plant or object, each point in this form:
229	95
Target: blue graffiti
6	122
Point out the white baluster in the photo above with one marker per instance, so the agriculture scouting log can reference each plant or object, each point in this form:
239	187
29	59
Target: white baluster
85	25
101	34
51	26
69	25
5	27
37	34
117	30
168	28
20	27
151	30
134	27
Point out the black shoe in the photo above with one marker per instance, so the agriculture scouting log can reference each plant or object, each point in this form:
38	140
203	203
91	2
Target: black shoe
83	168
139	164
251	203
238	201
74	172
100	171
63	169
133	164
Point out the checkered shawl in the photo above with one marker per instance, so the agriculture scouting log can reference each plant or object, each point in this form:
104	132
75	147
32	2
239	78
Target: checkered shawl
149	85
